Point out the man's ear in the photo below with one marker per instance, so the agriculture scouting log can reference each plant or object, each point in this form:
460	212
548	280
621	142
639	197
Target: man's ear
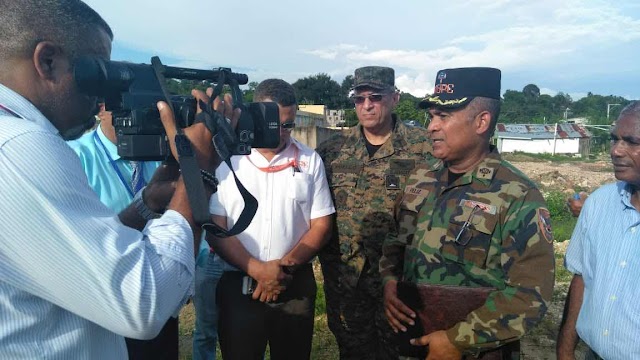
483	122
396	98
47	59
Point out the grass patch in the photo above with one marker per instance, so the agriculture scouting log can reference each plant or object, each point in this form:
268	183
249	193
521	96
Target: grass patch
562	221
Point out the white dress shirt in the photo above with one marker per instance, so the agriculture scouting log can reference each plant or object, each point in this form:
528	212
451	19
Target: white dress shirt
73	279
287	199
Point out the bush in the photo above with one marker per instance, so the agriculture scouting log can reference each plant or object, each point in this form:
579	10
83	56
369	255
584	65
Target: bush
562	222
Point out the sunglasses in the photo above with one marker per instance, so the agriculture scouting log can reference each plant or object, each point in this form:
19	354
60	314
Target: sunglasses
464	236
359	99
289	125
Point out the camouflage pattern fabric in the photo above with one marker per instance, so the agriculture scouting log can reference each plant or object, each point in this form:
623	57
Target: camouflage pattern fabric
364	191
502	218
377	77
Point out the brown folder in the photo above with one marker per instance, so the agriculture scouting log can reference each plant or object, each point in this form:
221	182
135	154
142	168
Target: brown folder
438	307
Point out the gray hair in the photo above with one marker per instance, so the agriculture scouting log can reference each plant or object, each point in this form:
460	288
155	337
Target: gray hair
479	104
633	109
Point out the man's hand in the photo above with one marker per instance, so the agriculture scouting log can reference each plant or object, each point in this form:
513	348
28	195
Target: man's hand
161	187
272	280
398	314
575	205
440	348
198	134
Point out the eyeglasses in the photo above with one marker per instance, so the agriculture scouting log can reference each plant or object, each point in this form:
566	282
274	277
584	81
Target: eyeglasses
289	125
464	236
359	99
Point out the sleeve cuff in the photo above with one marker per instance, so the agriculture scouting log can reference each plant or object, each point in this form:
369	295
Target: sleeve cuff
386	279
462	343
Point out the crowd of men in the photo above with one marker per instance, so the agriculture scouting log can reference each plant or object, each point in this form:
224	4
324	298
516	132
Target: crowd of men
431	245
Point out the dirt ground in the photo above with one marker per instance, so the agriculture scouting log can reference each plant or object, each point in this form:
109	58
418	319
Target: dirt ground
567	177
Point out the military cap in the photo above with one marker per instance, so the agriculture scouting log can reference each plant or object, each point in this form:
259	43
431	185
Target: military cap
377	77
455	88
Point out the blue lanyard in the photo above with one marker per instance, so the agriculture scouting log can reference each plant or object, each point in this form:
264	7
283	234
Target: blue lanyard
127	186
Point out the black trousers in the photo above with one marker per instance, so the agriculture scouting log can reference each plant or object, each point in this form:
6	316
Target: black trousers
246	325
162	347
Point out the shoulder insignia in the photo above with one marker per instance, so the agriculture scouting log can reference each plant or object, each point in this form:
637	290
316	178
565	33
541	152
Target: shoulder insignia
485	173
544	224
488	208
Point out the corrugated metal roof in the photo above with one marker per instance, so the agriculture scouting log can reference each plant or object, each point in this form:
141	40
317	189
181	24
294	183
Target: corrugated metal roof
538	131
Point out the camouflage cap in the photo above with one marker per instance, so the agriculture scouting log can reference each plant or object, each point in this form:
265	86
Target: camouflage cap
377	77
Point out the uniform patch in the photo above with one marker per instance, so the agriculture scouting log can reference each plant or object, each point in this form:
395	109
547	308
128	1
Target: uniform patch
485	173
392	182
401	166
347	167
488	208
544	224
416	191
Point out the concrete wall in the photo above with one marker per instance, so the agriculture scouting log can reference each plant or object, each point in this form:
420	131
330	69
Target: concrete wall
312	136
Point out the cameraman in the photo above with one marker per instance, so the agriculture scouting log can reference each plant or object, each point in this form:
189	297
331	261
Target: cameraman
74	277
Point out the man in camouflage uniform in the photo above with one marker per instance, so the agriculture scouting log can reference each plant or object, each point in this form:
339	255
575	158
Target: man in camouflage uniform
472	221
366	168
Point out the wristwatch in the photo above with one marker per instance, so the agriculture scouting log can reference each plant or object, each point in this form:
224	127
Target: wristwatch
142	208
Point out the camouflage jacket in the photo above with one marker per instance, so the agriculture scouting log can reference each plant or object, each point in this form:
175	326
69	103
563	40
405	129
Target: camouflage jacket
509	246
364	191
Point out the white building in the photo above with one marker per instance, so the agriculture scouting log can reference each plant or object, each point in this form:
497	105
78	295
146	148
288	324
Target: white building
570	139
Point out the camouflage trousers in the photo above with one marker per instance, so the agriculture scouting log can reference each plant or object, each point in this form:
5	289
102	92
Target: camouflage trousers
356	315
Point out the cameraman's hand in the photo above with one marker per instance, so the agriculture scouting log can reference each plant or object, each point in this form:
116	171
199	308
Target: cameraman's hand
161	187
198	134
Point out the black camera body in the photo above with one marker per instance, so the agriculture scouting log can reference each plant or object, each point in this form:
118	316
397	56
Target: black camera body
131	92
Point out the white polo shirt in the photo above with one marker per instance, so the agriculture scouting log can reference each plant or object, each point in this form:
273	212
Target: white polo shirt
287	199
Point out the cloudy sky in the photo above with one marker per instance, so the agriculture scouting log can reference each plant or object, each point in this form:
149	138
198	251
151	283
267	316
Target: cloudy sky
570	46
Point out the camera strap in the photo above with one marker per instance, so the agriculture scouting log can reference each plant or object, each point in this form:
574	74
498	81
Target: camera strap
223	139
186	159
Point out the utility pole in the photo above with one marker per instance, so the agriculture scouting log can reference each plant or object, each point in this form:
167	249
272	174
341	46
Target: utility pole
555	137
608	110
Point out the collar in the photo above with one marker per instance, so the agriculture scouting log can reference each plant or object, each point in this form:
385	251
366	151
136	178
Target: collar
395	142
483	172
624	189
24	108
288	152
112	149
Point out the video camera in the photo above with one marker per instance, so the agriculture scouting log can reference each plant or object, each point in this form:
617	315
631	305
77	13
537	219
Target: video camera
131	92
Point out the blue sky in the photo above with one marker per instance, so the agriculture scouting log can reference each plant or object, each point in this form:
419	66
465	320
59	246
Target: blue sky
570	46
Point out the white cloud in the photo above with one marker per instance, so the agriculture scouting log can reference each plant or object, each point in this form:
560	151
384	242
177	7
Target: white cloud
545	40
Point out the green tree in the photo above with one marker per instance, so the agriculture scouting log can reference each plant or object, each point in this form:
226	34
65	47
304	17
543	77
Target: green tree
347	84
350	117
531	91
247	95
319	89
407	110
